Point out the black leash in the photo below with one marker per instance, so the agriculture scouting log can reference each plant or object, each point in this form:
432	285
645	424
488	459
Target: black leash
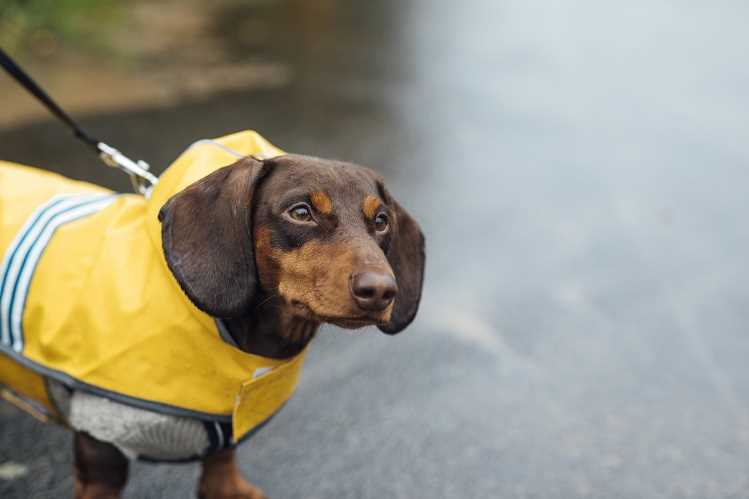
143	180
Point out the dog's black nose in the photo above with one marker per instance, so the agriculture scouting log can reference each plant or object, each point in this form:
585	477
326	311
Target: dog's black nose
373	291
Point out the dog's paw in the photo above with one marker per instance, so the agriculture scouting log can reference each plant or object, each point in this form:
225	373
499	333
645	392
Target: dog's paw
236	488
95	491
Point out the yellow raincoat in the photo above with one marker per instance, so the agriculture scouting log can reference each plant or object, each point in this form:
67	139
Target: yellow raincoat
86	298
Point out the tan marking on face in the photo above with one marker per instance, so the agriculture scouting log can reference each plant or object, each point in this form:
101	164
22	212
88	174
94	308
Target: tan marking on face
262	237
315	275
321	202
267	268
369	206
269	271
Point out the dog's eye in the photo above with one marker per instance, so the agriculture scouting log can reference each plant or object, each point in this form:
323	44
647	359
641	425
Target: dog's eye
300	212
381	222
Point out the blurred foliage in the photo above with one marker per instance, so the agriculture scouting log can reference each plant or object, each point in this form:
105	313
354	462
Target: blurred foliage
41	26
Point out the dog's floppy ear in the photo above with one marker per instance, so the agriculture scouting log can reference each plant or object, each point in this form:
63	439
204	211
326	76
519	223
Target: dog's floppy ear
207	238
406	255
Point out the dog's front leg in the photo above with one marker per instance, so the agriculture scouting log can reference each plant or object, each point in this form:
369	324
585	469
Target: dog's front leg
100	468
221	479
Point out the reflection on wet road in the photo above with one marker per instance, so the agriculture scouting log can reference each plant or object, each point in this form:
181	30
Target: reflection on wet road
580	174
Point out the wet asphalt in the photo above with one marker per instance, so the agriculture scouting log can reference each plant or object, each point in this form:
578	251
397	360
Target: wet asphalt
580	171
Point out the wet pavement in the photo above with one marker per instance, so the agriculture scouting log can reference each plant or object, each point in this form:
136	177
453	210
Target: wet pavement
580	174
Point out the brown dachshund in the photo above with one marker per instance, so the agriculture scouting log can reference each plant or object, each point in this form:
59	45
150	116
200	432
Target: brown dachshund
276	247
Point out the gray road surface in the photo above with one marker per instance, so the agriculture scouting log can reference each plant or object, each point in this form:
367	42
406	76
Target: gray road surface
581	172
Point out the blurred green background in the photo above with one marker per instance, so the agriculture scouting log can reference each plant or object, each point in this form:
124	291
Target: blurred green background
39	26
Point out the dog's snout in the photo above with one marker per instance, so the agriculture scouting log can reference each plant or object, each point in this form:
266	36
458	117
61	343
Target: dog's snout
373	291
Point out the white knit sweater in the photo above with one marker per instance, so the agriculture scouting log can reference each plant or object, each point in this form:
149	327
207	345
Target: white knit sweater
136	432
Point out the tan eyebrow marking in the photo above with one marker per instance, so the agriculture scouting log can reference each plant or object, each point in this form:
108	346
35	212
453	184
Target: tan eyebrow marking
369	206
321	202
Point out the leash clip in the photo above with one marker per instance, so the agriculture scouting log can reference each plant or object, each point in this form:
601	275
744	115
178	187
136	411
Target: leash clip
143	180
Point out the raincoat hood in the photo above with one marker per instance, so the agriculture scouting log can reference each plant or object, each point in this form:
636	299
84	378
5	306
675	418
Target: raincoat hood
199	160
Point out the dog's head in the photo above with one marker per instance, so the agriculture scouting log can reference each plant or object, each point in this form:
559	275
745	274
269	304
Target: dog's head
325	237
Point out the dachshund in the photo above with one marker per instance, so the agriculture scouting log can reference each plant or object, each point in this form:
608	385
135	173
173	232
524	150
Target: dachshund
272	248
